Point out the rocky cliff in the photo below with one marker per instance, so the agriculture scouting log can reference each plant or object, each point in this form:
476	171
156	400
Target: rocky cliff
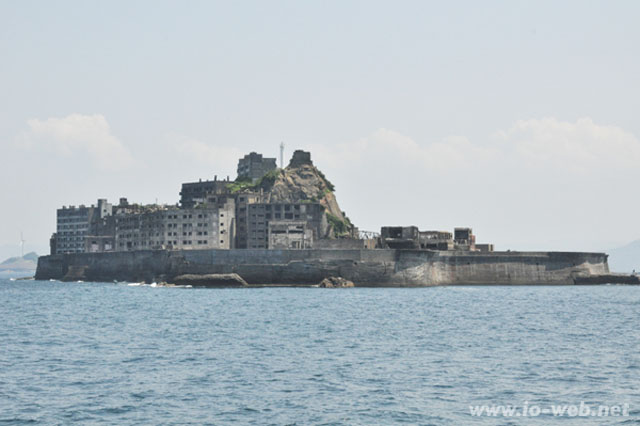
302	182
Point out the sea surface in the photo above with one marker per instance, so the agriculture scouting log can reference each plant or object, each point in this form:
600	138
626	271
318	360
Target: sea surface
105	353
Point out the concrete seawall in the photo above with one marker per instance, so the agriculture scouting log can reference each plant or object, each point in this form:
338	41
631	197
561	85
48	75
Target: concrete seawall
306	267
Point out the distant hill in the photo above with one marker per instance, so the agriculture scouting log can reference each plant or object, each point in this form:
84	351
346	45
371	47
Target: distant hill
32	257
19	266
626	258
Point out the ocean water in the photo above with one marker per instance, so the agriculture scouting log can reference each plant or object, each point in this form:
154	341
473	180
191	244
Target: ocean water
99	353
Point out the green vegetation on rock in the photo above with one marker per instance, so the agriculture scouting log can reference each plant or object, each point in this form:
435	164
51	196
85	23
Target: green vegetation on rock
326	181
240	184
300	184
341	228
265	182
324	193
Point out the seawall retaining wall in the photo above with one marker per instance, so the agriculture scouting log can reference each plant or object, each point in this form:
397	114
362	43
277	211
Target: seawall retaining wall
306	267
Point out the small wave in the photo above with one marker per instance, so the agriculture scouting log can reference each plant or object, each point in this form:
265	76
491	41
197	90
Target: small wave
18	420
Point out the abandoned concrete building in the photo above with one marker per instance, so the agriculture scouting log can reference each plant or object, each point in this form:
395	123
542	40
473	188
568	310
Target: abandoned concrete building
173	228
299	158
400	237
242	217
126	227
410	237
193	193
73	225
436	240
265	219
464	239
216	214
289	235
253	166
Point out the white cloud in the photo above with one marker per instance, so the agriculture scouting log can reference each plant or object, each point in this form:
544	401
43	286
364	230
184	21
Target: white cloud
580	147
546	176
214	157
89	135
384	148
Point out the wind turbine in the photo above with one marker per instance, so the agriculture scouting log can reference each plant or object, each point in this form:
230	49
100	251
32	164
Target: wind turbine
21	244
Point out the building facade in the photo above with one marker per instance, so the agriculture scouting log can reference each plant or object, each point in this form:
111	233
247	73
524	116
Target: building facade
464	239
289	235
436	240
411	238
194	193
73	226
400	237
202	227
253	166
243	201
260	215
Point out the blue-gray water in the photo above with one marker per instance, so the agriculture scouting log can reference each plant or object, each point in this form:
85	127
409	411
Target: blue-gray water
117	354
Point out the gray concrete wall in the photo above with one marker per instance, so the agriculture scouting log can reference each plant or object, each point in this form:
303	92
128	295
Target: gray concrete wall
363	267
341	243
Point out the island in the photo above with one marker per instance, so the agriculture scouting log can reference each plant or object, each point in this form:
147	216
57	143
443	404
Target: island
283	226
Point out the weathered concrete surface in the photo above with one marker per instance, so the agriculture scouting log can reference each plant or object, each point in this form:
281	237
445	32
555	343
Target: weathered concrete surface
210	280
608	279
309	267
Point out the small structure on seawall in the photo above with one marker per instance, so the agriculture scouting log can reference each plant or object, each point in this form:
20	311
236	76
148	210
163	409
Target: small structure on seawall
607	279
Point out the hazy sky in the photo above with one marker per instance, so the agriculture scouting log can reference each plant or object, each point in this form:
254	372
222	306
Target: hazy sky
519	119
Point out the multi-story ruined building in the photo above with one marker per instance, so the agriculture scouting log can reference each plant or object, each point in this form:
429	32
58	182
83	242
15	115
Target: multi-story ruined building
206	218
436	240
136	227
410	237
400	237
174	228
464	239
243	201
215	193
73	225
221	214
262	216
289	235
253	166
194	193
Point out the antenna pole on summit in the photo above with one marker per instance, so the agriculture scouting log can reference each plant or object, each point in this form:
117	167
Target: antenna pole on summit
282	155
